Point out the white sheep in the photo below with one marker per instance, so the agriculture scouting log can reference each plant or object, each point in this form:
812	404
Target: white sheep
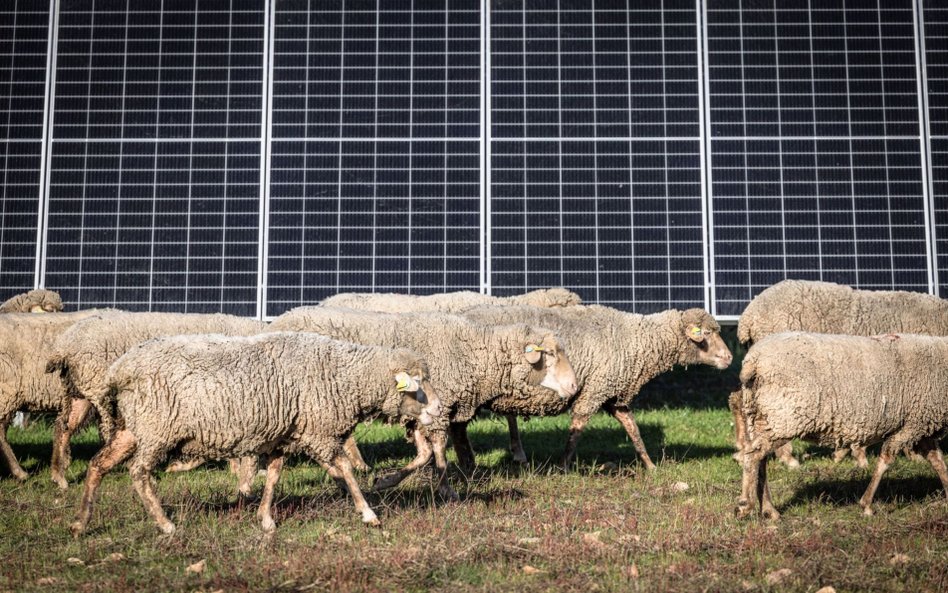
34	301
26	341
838	391
472	363
614	354
825	307
83	353
212	396
451	302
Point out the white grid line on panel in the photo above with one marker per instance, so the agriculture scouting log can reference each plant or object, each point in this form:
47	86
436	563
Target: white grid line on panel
187	261
411	121
266	137
849	119
704	149
154	194
342	79
375	155
559	147
924	125
628	87
121	172
49	102
485	119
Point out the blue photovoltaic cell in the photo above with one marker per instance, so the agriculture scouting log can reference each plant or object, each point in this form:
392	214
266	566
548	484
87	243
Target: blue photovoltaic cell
595	152
375	182
936	57
815	147
24	28
155	172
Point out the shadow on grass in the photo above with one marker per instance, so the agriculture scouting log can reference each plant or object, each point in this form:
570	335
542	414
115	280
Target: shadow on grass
847	491
35	456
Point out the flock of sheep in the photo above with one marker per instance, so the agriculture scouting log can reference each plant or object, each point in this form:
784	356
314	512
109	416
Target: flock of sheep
833	365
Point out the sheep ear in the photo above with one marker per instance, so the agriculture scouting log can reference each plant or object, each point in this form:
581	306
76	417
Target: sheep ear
37	309
532	353
405	383
696	334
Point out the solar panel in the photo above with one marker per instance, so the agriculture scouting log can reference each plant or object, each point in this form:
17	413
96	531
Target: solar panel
375	154
154	184
936	58
595	152
24	28
815	147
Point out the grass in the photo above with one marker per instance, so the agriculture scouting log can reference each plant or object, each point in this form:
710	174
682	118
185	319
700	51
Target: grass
605	526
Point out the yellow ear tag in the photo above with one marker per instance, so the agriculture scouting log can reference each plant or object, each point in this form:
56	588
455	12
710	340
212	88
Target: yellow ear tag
696	331
533	348
405	383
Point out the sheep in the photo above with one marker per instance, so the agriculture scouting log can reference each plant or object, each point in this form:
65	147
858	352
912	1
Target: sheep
26	341
472	363
842	390
83	353
825	307
213	396
34	301
614	354
452	302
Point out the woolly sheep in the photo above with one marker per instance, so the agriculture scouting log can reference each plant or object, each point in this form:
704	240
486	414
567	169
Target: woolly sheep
842	390
825	307
212	396
614	354
34	301
26	341
472	363
452	302
82	355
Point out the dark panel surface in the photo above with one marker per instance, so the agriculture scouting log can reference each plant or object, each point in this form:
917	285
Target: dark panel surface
595	166
375	159
936	57
816	164
155	174
24	28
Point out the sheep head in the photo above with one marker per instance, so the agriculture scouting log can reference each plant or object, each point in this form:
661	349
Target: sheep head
703	343
549	365
419	399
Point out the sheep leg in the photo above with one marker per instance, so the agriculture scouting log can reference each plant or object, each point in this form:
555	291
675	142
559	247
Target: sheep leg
735	402
859	454
140	469
355	456
749	480
7	451
439	442
184	466
625	418
246	470
462	447
114	452
516	445
840	454
885	460
576	426
767	509
424	454
274	465
344	467
929	448
75	414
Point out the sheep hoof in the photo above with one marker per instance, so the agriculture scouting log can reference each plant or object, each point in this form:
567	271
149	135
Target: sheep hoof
369	518
742	509
77	528
61	482
167	528
385	482
771	514
792	463
268	524
448	493
867	510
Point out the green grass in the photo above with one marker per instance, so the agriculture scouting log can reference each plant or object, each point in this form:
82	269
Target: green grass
605	526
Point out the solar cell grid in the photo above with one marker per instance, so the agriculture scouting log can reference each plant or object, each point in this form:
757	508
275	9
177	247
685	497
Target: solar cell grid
24	28
815	147
595	167
936	60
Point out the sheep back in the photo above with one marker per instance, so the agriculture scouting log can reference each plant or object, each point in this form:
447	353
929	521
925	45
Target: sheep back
222	396
825	307
843	390
451	302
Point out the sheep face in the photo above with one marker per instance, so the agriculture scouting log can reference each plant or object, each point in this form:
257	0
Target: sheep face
420	400
703	340
550	367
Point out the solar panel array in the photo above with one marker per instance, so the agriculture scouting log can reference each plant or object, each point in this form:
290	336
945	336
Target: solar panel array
24	29
248	157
